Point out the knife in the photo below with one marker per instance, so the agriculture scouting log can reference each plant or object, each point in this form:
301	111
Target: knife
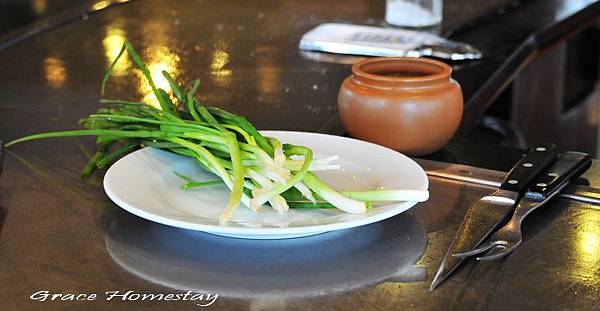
569	166
486	213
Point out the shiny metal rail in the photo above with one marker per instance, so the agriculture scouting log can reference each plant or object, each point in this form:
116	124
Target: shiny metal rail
491	178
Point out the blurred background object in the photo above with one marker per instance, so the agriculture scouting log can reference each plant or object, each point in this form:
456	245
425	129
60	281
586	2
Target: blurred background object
18	13
1	156
414	13
20	20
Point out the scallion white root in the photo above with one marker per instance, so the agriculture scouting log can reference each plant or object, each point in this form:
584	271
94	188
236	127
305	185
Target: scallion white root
336	199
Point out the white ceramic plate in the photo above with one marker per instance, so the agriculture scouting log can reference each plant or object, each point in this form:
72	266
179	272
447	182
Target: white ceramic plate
143	183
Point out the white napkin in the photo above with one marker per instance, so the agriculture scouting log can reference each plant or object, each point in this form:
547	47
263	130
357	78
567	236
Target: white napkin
379	41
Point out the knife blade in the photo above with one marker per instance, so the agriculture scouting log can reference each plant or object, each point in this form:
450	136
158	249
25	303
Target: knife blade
486	213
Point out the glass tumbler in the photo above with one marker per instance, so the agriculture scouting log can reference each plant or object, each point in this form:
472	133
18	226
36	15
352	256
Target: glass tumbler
413	13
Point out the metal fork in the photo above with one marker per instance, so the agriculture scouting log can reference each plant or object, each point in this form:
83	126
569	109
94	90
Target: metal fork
509	237
569	166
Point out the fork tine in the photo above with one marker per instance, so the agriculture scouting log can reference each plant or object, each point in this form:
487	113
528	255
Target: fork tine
475	251
498	252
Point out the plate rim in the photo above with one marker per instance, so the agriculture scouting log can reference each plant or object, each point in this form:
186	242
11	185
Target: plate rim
271	232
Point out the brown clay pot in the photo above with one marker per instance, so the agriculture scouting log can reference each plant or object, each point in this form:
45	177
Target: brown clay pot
408	104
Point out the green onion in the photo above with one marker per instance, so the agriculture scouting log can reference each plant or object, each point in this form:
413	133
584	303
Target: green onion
257	169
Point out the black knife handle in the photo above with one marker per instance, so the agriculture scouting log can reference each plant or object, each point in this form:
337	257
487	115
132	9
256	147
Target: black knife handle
569	165
529	167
